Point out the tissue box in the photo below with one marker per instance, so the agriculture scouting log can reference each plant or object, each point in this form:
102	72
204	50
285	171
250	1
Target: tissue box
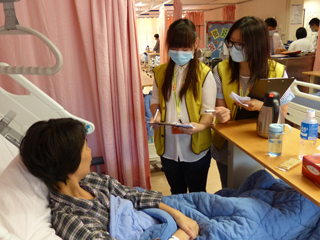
311	168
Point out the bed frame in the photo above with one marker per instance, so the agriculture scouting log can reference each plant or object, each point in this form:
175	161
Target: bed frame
302	102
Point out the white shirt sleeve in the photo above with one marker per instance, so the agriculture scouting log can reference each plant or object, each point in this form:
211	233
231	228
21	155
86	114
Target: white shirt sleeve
209	93
155	94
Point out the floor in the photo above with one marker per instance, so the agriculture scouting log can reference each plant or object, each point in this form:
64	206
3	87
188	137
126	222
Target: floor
159	181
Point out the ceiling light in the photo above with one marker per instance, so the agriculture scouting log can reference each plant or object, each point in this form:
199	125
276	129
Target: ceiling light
140	4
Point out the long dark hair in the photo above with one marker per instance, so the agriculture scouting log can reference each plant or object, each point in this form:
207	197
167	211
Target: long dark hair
182	34
255	37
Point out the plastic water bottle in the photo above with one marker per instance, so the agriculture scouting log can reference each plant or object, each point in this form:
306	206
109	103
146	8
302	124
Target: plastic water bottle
308	134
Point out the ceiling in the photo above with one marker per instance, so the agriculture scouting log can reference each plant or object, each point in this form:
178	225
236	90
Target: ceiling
150	8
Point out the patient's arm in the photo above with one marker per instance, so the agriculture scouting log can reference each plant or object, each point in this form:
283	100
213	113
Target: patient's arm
182	235
186	225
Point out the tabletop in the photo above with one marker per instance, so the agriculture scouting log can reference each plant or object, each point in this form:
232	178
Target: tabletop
312	73
243	134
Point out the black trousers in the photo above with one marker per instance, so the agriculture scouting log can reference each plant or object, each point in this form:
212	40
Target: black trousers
182	176
223	170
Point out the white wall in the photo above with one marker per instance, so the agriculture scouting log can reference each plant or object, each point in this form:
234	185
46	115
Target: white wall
280	9
312	9
292	28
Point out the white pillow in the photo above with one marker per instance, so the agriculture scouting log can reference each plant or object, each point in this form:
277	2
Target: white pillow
24	204
8	152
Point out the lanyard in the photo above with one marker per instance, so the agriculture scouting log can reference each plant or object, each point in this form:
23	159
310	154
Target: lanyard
241	90
176	98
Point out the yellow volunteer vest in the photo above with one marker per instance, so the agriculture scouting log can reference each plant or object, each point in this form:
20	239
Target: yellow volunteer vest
276	71
201	140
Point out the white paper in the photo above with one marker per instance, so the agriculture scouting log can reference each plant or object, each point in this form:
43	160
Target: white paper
296	13
238	98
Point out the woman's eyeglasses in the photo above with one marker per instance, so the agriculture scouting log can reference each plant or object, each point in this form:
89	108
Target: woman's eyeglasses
237	45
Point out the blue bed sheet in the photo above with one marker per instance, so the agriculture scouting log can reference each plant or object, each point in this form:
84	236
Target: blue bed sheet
262	208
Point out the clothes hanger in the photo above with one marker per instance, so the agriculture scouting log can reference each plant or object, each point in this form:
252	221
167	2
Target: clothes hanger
12	27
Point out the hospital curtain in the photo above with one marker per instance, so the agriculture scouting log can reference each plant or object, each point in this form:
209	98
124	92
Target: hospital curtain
163	34
147	28
198	19
170	20
177	10
229	12
100	78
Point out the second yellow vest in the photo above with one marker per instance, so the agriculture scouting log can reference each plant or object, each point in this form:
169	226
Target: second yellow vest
276	70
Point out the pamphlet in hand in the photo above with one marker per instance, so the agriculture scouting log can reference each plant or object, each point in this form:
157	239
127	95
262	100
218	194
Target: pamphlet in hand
185	125
238	98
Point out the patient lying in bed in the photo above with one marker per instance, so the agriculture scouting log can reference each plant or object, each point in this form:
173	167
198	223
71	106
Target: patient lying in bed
56	152
262	208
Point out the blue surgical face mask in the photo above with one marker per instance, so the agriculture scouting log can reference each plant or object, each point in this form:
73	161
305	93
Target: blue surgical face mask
271	32
237	55
181	57
312	30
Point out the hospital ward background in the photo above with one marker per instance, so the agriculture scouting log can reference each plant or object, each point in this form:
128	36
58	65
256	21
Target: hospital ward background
93	61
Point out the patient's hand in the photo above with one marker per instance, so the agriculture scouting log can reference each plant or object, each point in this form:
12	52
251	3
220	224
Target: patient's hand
188	225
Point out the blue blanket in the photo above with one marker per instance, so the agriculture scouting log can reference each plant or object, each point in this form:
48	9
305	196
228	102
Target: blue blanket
262	208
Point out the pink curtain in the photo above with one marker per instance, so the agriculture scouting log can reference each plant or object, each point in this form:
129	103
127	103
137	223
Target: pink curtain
229	12
163	34
198	19
100	77
170	20
316	66
177	10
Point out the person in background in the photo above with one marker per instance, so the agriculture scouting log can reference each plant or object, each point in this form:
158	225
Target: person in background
184	88
301	44
249	61
156	47
276	45
314	25
56	152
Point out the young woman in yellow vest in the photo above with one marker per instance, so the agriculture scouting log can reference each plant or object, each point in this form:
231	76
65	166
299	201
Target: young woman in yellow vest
183	89
249	61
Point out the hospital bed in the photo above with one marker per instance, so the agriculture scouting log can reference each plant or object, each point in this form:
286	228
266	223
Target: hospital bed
302	102
31	217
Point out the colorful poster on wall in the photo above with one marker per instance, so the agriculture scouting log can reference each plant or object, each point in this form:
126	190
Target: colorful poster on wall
216	31
211	47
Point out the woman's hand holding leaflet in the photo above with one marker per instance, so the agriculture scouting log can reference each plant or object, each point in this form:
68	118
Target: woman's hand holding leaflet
253	105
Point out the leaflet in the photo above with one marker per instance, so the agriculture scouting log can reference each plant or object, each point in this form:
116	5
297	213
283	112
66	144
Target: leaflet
238	98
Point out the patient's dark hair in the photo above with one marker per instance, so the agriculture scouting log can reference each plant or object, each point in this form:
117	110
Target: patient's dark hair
51	150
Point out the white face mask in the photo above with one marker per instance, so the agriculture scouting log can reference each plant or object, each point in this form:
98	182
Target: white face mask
271	32
237	55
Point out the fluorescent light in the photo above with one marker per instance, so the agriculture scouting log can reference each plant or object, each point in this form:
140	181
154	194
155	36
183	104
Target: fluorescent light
140	4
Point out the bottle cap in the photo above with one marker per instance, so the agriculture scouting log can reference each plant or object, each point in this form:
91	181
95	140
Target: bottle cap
311	114
276	128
